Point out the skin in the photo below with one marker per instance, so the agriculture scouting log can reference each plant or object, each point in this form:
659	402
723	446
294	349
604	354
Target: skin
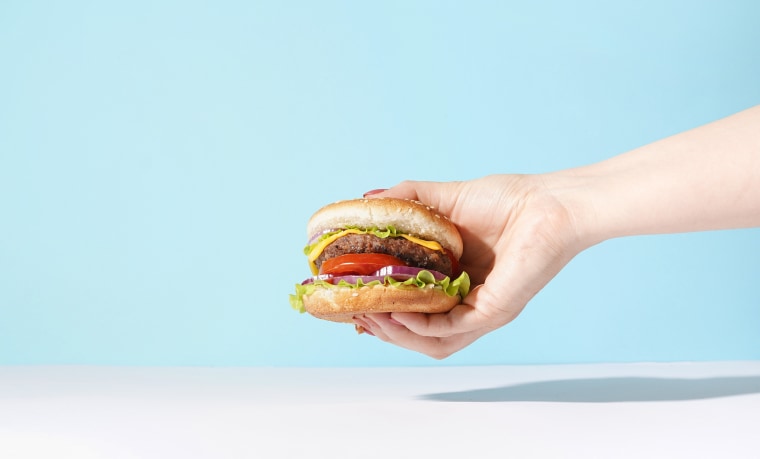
519	231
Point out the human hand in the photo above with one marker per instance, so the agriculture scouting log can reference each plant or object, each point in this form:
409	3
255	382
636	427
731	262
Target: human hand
517	233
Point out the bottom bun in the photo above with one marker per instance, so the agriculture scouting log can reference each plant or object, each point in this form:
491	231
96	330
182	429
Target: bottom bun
343	303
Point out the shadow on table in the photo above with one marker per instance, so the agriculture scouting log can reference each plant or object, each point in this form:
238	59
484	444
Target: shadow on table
605	390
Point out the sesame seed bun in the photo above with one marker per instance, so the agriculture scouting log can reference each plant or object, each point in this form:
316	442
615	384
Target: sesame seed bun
341	304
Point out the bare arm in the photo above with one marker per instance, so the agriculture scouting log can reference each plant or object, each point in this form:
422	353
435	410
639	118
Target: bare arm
519	231
703	179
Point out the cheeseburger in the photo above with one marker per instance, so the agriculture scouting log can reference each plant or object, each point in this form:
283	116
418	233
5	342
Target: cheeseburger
380	255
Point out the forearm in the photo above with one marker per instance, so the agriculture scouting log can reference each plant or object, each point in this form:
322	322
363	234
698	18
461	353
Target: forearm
704	179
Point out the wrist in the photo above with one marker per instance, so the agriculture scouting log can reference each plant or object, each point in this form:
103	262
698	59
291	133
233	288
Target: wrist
575	192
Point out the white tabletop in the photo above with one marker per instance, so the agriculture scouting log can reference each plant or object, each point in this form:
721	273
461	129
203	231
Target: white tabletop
638	410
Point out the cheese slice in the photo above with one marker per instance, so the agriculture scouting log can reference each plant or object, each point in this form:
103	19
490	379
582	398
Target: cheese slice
318	248
432	245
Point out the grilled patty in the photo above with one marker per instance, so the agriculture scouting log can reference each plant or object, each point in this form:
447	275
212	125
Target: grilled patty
412	254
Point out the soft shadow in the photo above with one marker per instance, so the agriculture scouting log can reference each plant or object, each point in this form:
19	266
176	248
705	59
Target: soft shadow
606	390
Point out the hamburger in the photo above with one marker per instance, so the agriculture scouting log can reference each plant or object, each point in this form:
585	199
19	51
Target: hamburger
380	255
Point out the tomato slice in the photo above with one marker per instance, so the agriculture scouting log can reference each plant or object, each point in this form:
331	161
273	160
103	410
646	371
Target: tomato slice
360	264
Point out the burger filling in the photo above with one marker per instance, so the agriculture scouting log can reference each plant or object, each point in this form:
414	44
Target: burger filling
410	253
355	258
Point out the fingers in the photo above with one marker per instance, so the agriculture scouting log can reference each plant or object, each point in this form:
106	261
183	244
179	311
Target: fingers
439	335
386	329
478	311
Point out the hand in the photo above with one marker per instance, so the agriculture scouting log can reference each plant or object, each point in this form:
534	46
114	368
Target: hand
520	230
517	235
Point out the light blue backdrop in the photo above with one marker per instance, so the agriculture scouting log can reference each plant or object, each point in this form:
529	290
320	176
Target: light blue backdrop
159	160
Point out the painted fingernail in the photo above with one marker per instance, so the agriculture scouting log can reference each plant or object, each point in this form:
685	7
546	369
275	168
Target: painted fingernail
371	192
362	326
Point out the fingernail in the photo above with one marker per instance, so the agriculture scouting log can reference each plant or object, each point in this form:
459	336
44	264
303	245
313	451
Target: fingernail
394	321
371	192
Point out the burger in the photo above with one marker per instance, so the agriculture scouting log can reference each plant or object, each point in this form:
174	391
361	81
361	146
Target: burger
380	255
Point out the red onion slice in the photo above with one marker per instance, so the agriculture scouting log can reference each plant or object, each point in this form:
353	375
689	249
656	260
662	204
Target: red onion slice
399	273
406	272
315	237
349	279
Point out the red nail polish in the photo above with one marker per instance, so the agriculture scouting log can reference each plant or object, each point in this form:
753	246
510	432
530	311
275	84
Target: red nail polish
371	192
361	326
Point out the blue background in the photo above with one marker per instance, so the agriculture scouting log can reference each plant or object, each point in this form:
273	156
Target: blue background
159	161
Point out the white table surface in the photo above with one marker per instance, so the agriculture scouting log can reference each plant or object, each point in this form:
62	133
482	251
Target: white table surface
641	410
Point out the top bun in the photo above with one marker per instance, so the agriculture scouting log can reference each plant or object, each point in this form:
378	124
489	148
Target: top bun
406	215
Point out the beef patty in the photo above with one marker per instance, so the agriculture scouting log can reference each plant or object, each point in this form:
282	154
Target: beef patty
412	254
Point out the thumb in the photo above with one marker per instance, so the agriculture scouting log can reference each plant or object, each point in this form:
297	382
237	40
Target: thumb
435	194
404	190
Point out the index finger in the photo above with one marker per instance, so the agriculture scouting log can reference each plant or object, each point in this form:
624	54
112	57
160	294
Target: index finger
475	313
390	331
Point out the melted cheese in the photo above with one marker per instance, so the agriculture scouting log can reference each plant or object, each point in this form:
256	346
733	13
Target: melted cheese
317	250
432	245
320	247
